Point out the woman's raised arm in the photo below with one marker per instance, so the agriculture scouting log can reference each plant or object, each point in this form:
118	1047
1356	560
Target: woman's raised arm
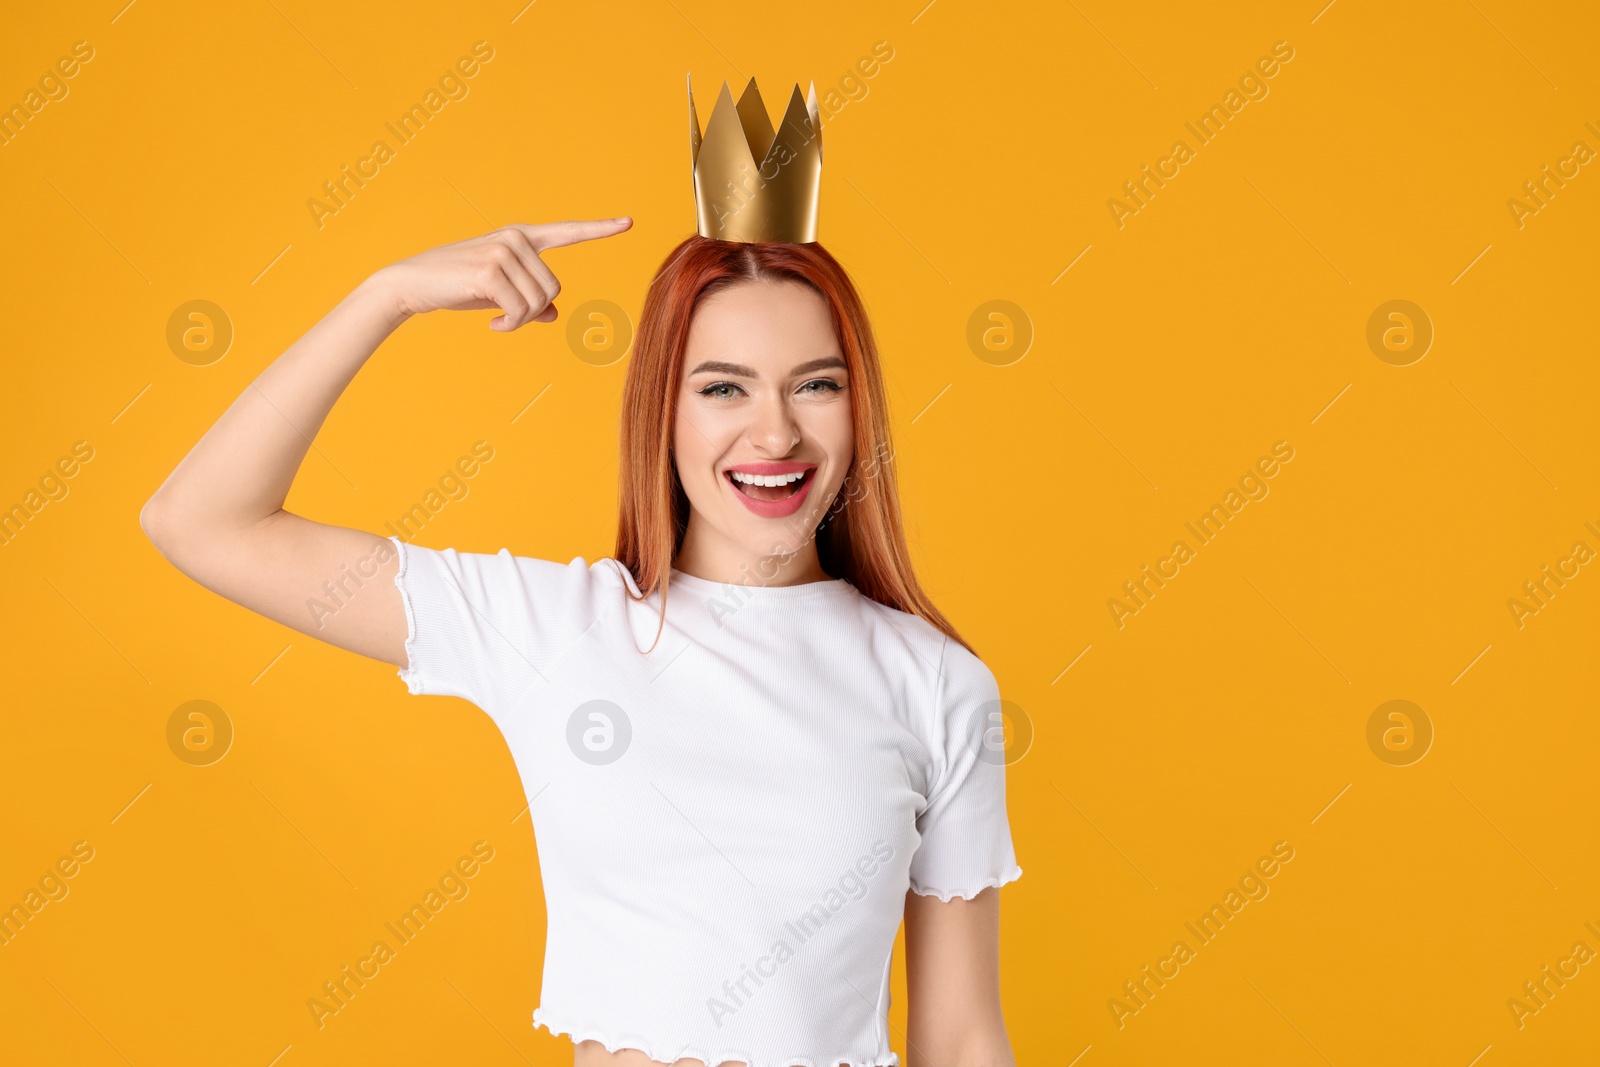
219	515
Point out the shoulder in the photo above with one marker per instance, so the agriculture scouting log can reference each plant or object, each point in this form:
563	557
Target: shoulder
892	628
965	682
504	582
955	685
953	667
506	564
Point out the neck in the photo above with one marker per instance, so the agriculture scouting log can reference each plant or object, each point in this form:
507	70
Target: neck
709	555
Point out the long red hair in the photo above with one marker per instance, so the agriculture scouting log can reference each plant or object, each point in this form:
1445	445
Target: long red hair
861	539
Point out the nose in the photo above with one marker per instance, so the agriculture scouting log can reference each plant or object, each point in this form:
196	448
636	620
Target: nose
774	428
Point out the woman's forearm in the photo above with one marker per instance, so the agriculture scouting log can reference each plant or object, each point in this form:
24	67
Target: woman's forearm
240	472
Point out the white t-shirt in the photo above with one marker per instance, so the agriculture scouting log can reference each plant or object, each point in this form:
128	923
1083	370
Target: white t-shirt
727	826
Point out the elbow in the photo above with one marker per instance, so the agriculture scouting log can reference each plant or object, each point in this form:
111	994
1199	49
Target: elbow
959	1037
967	1053
181	533
156	523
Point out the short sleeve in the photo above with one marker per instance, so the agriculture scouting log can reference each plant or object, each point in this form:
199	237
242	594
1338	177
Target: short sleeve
965	842
486	626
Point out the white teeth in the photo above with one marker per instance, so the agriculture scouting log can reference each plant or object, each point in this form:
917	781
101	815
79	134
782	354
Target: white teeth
767	479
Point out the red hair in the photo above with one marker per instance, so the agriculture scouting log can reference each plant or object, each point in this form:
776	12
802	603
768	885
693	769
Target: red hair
861	539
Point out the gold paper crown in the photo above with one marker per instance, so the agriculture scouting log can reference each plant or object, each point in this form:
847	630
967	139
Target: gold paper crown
738	199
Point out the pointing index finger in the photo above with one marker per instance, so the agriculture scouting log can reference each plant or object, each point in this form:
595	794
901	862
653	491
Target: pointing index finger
555	234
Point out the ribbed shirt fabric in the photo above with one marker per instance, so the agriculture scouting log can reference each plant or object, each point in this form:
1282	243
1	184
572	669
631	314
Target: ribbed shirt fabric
728	825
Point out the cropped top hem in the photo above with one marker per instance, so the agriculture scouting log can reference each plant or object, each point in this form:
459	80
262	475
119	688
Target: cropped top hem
946	895
612	1044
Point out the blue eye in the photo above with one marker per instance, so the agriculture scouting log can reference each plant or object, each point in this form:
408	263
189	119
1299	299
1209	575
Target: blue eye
711	389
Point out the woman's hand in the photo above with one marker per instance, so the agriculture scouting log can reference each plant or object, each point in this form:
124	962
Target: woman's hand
500	269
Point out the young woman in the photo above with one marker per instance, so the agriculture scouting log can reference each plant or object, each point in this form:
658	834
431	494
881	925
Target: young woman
737	798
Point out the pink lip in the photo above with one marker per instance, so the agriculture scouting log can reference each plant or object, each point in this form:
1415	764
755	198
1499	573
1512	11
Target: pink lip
771	509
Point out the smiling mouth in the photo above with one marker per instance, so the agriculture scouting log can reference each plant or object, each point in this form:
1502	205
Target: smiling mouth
770	492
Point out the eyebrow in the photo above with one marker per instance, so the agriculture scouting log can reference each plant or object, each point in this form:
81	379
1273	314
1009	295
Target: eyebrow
739	370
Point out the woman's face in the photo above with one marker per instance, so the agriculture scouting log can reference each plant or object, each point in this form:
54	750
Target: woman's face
765	394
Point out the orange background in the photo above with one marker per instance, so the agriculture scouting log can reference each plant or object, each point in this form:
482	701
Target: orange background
1229	313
